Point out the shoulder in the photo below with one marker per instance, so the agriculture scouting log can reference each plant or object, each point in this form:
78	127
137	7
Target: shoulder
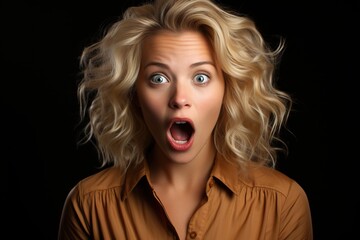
270	179
106	179
269	188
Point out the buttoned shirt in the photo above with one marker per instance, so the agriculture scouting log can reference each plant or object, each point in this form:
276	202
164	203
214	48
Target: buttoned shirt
252	204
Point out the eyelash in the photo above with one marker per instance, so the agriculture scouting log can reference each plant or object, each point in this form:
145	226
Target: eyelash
155	76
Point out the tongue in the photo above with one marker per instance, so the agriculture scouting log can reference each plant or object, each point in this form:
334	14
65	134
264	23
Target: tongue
180	132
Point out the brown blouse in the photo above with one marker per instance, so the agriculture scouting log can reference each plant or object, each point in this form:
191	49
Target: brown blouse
262	204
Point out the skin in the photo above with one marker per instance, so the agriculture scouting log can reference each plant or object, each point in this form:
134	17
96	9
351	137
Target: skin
180	80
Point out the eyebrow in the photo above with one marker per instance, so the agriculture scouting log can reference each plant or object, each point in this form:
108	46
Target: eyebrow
163	65
202	63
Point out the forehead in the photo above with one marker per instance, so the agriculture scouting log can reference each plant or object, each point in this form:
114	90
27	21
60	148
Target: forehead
178	44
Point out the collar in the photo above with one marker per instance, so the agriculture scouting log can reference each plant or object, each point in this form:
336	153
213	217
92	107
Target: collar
223	170
227	173
133	176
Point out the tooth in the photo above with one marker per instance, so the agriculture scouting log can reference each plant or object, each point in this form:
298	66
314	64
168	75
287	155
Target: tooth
180	141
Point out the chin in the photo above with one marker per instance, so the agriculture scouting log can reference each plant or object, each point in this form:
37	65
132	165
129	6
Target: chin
181	157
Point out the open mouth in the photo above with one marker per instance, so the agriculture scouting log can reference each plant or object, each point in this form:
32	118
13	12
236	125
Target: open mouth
181	133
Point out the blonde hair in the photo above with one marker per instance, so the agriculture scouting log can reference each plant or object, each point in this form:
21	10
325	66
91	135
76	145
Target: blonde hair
253	110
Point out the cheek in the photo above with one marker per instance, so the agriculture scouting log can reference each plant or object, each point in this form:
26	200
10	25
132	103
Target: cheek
215	110
151	107
212	106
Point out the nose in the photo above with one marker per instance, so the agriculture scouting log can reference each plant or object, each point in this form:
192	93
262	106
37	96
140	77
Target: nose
180	97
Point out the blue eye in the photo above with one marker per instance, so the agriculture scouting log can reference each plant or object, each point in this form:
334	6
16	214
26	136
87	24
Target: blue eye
158	79
201	78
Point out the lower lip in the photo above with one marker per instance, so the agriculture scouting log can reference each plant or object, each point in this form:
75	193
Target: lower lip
180	146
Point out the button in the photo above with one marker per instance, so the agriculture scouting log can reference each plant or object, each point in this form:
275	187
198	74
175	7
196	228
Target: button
193	235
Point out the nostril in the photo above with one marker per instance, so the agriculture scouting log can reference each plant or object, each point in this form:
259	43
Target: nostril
173	104
179	103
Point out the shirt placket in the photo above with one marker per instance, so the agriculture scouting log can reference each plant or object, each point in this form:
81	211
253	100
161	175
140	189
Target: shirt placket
196	227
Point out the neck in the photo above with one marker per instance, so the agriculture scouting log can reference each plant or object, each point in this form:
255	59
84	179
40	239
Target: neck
181	175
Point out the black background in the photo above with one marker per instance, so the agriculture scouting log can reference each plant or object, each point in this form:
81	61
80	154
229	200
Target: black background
40	47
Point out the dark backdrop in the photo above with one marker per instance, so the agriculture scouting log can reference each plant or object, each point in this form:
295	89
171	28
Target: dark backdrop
40	46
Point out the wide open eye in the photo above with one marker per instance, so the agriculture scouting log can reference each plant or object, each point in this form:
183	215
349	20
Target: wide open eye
201	78
158	79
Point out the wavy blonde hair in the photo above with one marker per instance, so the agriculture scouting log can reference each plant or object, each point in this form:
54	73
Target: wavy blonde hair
253	110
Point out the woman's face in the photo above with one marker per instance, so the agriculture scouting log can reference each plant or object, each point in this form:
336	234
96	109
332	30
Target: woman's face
180	91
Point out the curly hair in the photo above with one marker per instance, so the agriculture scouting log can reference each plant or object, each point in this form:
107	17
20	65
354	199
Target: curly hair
253	109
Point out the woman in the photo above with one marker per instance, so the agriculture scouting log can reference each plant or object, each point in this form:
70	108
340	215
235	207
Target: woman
182	106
